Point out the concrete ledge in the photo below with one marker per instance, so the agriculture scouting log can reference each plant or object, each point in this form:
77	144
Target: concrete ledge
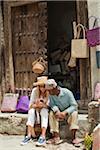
83	127
15	124
7	115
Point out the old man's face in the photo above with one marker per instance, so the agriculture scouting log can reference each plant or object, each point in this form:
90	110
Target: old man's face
53	91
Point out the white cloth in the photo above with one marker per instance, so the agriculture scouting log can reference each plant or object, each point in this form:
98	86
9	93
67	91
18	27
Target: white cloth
34	96
32	117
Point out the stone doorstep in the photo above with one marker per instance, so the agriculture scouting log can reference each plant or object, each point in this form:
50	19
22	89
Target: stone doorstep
15	124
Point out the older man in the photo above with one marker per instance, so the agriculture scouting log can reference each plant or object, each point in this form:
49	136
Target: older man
63	106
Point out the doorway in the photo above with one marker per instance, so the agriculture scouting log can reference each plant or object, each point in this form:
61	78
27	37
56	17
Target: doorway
60	32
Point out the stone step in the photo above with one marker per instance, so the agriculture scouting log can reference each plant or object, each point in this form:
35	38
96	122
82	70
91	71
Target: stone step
15	124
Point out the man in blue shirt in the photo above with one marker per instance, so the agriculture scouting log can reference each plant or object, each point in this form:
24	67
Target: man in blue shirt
63	106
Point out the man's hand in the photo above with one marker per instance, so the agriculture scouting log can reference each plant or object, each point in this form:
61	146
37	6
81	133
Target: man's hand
63	114
57	114
60	115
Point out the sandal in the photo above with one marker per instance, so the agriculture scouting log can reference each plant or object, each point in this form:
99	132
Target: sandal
77	141
50	141
57	141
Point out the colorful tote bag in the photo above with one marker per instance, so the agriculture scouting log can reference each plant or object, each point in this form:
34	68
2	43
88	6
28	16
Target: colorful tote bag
93	35
23	104
9	102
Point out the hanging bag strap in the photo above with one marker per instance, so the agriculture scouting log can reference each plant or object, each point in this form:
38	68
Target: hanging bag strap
34	62
78	32
94	22
42	61
39	60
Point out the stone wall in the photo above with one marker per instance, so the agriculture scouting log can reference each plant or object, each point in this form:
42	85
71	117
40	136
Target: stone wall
94	10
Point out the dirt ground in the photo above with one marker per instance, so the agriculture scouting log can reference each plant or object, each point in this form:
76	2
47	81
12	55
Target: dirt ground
13	143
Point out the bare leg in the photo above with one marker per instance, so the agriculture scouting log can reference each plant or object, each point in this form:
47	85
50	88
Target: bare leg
31	131
44	121
56	135
74	139
43	132
74	134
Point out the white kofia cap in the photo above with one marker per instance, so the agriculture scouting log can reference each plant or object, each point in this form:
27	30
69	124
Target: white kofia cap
50	84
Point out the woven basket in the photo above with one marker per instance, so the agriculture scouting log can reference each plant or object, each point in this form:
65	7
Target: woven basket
38	66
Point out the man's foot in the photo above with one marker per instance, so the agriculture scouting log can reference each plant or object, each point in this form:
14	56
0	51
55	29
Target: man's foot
41	141
51	141
55	140
58	141
26	140
77	140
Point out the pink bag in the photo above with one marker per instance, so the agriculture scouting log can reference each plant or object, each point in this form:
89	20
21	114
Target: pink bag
93	35
97	91
96	138
9	102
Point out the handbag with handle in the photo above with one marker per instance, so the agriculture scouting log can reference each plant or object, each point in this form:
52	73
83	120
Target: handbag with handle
23	104
79	47
93	35
9	102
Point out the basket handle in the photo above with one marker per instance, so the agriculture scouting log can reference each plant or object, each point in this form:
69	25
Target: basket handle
37	60
83	28
41	60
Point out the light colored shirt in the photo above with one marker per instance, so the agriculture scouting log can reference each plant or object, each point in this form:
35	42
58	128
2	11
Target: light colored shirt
65	101
35	96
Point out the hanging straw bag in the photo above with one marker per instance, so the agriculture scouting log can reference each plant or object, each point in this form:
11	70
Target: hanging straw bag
79	47
38	66
93	35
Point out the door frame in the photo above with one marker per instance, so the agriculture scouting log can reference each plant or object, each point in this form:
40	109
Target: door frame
85	71
8	41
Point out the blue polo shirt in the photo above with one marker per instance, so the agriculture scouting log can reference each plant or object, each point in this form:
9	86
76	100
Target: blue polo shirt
65	101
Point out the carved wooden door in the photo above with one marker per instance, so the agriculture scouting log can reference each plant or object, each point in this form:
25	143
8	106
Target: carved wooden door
29	40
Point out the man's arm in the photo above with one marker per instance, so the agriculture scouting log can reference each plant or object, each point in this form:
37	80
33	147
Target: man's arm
53	106
73	104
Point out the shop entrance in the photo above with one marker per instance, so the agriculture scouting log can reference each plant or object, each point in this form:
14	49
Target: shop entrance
60	32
